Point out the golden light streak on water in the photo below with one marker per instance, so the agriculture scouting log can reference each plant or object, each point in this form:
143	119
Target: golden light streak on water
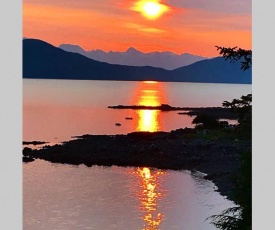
148	120
149	93
149	195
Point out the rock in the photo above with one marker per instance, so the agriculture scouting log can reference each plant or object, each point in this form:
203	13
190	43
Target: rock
28	159
27	151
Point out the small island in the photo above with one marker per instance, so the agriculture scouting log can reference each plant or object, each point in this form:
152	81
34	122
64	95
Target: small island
218	112
34	142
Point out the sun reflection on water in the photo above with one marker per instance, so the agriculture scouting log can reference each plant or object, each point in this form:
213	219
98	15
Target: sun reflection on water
149	93
149	195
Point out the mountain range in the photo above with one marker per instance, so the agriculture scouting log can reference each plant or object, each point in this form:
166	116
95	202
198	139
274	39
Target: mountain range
42	60
134	57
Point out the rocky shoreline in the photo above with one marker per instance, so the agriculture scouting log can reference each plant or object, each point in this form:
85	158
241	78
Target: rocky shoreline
182	149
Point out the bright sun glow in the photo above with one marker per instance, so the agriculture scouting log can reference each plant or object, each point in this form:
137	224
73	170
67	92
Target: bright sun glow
150	9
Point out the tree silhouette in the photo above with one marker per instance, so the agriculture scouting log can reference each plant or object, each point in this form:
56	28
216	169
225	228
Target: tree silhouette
239	218
206	120
235	54
243	105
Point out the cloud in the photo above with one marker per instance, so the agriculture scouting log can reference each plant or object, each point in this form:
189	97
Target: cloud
144	28
222	6
202	20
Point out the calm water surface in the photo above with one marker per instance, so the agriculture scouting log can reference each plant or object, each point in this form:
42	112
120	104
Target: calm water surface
56	110
67	197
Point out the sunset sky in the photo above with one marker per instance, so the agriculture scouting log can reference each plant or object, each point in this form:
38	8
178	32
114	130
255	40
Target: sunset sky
180	26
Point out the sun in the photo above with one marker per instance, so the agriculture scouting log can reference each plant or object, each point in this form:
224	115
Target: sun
151	9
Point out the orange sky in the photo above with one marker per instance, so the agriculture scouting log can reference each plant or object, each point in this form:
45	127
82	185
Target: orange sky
185	26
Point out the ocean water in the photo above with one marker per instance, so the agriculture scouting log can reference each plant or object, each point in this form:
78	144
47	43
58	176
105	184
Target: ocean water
65	197
56	110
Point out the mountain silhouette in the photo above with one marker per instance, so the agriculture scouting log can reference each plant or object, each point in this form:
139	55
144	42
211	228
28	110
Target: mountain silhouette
42	60
134	57
216	70
73	48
